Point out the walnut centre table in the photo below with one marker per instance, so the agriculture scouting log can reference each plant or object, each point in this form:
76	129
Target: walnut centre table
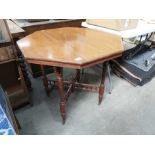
69	47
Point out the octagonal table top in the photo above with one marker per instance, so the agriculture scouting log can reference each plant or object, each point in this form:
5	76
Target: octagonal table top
70	47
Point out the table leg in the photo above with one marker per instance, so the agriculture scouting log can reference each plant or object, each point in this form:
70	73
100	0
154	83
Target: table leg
101	87
75	79
109	76
59	76
45	80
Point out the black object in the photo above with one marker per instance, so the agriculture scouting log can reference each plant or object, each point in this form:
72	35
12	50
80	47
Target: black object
141	47
131	73
129	54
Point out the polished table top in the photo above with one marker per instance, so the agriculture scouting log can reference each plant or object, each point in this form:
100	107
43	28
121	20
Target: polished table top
70	47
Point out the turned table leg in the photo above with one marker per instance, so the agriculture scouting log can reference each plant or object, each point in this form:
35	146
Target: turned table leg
59	76
109	76
101	87
45	80
77	79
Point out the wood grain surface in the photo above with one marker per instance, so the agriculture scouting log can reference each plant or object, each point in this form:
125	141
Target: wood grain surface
73	47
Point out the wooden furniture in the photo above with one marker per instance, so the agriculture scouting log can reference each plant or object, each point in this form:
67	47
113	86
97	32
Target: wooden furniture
11	77
70	47
30	27
17	33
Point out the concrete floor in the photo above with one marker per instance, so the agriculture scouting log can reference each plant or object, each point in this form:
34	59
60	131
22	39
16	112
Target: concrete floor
128	110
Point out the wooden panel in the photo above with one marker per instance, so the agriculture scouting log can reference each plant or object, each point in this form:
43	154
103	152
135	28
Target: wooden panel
11	81
31	27
6	53
9	74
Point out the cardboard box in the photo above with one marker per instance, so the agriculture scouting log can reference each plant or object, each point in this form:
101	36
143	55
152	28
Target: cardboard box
116	24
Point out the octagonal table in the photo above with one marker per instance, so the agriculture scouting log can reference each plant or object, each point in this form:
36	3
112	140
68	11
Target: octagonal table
69	47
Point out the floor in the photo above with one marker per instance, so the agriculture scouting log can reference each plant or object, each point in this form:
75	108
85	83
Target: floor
128	110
